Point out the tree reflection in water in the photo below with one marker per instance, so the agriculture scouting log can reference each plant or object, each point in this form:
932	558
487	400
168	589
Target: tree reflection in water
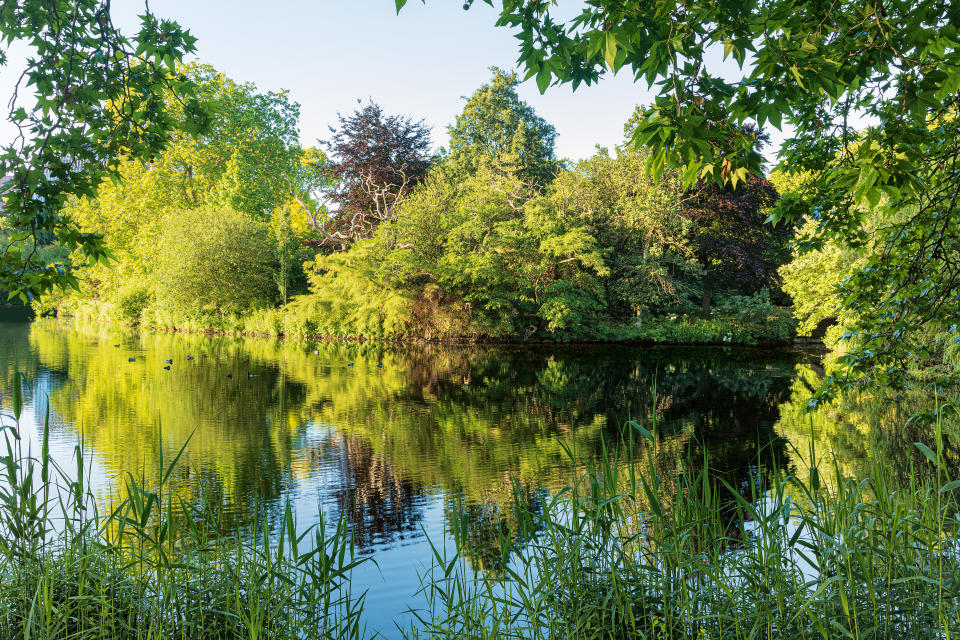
382	443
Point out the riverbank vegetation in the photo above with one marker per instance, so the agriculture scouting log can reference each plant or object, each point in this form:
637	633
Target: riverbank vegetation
642	541
241	230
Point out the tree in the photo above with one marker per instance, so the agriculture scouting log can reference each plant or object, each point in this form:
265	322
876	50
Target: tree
872	91
731	239
637	220
88	97
225	264
373	161
248	155
497	128
244	162
489	255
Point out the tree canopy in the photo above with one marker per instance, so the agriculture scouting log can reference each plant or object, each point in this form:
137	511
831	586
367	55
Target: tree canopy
497	128
372	163
88	98
248	163
871	92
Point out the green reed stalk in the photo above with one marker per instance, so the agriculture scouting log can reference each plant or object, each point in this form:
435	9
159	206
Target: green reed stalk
634	549
155	567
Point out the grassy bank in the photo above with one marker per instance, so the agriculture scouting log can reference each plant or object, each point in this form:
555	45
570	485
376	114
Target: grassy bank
639	545
725	327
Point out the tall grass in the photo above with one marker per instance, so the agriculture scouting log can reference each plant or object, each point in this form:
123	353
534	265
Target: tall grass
153	566
631	551
633	548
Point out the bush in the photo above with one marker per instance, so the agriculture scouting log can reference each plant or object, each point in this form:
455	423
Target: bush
215	260
752	308
131	304
749	327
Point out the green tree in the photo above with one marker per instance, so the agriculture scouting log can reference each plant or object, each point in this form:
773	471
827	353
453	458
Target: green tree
497	128
872	92
636	219
489	255
224	264
87	98
247	161
250	155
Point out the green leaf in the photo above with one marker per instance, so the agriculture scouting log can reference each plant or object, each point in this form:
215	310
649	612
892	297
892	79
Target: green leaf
927	452
543	79
950	486
610	50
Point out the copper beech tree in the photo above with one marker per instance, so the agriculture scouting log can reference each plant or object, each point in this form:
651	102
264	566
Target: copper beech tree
372	163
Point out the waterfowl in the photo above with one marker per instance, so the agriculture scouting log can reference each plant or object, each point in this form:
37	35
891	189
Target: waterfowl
169	361
189	357
131	359
229	375
167	367
249	375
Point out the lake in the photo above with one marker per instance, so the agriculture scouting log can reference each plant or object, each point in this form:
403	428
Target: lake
390	438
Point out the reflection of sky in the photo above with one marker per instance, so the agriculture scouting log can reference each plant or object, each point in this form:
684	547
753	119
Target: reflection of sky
484	410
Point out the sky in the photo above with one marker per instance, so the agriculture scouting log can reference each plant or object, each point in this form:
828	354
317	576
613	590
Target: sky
420	63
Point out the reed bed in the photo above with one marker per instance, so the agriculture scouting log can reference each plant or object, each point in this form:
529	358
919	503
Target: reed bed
633	548
155	567
683	555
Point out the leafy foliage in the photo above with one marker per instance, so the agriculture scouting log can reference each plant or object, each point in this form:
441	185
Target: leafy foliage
223	265
871	91
496	128
731	238
97	98
373	161
496	241
245	164
603	253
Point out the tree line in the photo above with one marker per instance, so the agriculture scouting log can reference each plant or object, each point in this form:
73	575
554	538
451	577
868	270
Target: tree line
871	92
373	234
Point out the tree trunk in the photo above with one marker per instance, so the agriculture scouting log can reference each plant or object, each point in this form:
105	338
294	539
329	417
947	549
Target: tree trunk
706	299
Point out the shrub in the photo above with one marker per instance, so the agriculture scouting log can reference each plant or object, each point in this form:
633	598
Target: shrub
215	260
131	304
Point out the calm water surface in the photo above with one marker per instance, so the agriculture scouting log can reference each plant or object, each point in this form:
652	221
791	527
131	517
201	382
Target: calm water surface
388	437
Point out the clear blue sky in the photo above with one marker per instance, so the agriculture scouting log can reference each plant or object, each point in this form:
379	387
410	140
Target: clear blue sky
329	53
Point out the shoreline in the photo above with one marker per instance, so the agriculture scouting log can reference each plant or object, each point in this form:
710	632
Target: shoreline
805	343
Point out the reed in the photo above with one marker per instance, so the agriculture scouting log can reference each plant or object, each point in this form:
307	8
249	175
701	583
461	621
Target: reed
629	551
153	566
632	548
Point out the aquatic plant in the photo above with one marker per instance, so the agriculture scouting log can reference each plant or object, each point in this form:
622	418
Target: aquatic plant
646	554
155	565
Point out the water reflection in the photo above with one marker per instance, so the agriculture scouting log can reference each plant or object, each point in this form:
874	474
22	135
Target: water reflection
860	431
391	438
